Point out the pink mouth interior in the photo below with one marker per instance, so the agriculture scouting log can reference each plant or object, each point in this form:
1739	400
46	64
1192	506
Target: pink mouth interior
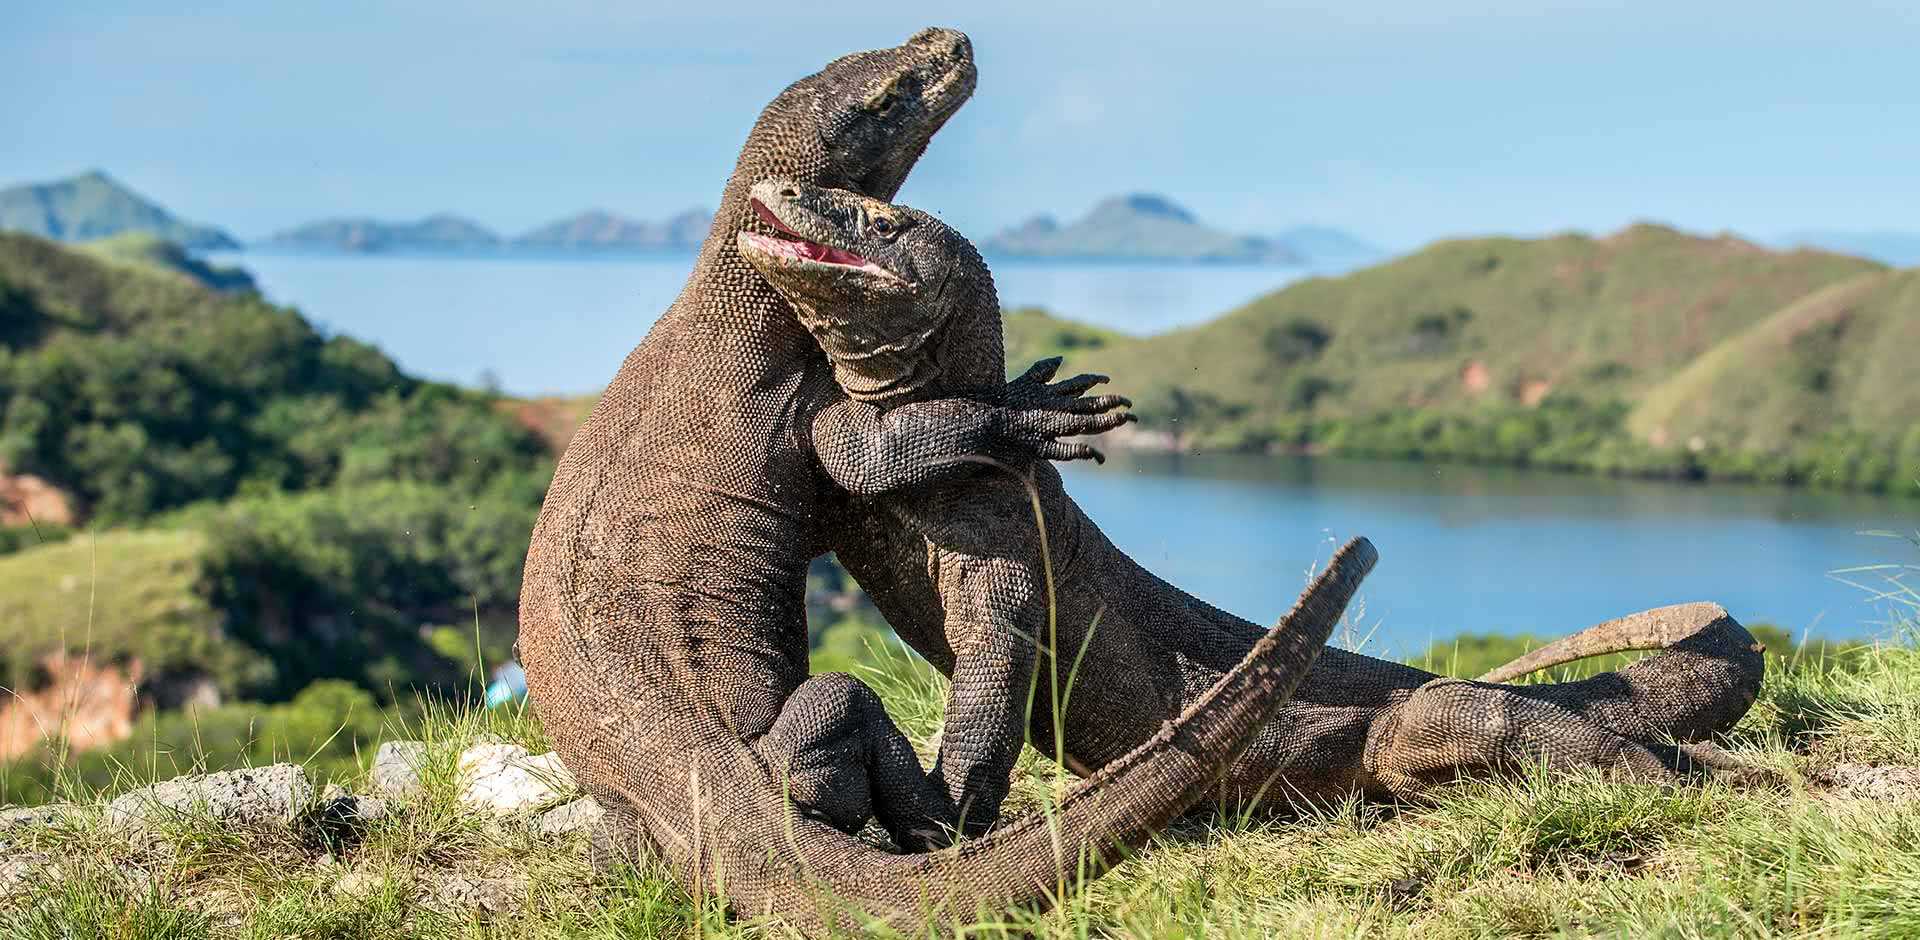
795	246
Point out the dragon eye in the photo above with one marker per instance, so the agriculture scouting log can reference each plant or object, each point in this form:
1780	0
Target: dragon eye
883	225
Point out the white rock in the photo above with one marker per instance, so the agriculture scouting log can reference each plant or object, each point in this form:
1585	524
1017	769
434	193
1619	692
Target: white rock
360	882
396	768
506	780
343	813
581	815
274	794
21	873
18	823
458	893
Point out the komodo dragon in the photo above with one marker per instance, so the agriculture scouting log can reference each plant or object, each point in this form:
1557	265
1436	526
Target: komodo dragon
919	316
662	620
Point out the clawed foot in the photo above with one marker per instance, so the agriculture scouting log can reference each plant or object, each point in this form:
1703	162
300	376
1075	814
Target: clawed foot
1039	411
1717	763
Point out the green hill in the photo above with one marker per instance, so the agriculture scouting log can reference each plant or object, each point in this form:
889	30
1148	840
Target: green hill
349	514
95	205
140	391
1838	363
117	597
1535	351
1031	334
157	254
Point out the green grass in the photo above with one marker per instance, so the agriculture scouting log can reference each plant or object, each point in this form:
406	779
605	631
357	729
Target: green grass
329	726
119	596
151	252
1607	317
1539	856
1842	357
1032	335
1542	855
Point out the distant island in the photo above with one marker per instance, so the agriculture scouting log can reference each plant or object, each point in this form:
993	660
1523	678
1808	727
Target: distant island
94	205
1150	227
1136	227
598	229
592	230
443	232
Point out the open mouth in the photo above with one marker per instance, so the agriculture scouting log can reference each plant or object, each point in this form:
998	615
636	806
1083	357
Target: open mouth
796	246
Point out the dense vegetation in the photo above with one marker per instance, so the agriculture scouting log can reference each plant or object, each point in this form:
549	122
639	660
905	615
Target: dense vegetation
267	506
1646	352
140	393
153	253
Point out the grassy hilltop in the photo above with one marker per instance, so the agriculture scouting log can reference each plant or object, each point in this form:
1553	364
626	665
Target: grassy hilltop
1647	351
1843	355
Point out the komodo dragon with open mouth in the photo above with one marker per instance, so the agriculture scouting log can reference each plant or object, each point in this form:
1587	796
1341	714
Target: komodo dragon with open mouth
907	309
662	620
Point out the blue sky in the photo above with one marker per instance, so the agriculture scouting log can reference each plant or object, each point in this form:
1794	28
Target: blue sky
1401	120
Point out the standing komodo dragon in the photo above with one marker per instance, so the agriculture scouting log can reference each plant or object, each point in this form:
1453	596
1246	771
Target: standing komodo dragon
662	619
911	312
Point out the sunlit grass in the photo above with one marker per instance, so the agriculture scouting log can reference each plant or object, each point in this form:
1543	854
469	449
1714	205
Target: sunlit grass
1541	855
1538	856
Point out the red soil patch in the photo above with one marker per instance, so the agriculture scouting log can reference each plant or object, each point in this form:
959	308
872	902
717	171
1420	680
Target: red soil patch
93	705
554	419
1475	377
26	499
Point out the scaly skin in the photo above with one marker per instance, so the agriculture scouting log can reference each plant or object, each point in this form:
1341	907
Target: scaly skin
662	621
1356	724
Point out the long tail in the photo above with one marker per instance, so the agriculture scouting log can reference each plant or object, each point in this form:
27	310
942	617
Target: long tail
813	876
1707	678
1654	629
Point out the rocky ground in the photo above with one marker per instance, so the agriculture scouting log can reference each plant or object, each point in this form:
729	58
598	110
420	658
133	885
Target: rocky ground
155	834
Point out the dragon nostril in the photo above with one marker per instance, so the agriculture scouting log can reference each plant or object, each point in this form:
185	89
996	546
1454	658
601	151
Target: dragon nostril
789	192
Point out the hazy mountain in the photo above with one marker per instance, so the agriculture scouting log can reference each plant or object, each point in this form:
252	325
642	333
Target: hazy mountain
601	230
1323	244
1900	249
95	205
1141	227
443	232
